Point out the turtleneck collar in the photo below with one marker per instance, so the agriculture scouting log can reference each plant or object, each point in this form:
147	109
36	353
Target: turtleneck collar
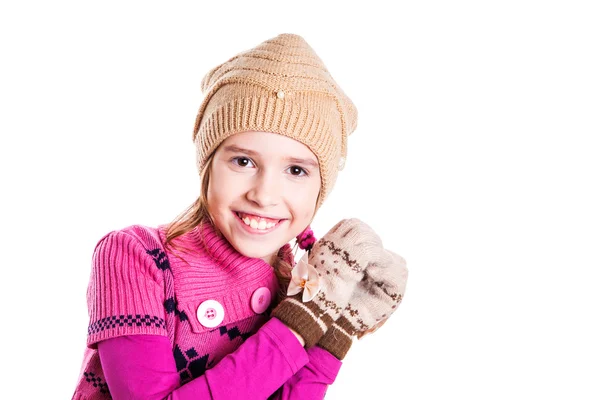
206	237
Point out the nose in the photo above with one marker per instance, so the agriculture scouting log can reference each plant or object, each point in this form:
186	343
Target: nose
265	190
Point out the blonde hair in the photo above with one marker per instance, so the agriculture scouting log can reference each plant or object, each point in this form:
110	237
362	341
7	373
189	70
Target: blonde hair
197	213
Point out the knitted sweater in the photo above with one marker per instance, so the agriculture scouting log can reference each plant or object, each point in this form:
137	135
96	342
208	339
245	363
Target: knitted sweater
206	298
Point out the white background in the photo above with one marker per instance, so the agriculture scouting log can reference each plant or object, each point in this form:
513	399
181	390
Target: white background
476	157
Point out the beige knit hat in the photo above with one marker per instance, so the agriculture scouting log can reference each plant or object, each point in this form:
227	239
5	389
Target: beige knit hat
280	86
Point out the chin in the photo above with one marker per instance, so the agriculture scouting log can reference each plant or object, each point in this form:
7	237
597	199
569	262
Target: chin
253	250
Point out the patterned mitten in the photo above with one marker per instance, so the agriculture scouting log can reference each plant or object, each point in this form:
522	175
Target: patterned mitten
374	299
337	262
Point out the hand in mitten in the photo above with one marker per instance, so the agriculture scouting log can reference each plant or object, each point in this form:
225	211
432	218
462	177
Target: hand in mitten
373	301
339	260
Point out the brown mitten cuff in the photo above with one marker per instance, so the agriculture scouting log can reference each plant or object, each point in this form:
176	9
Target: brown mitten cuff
305	318
338	339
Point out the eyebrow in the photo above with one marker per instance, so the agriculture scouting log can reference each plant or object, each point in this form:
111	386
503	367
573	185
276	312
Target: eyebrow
305	161
232	148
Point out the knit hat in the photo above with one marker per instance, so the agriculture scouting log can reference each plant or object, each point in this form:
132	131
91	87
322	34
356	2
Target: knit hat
280	86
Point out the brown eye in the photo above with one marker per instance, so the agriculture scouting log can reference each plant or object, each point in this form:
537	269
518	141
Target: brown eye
242	161
297	171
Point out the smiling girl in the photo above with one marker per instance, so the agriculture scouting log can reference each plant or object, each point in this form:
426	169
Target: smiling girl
263	182
213	304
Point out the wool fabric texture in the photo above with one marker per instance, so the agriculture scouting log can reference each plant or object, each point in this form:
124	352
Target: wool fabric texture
280	86
380	292
340	258
373	301
138	287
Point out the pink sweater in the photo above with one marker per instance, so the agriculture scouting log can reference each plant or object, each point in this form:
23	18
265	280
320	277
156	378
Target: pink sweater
209	307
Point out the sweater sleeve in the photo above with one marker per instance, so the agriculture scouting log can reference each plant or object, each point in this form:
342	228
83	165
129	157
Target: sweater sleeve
312	381
143	367
126	291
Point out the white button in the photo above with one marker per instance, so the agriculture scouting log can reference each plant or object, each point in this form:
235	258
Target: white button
281	94
210	313
341	163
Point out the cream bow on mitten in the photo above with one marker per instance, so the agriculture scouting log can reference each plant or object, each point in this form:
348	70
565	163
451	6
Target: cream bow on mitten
373	301
336	265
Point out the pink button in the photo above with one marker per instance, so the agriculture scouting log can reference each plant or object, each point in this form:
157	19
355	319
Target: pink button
210	313
261	299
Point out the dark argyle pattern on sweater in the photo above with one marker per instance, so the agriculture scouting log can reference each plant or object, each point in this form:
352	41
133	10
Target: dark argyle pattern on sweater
171	307
234	332
194	352
160	258
126	320
190	364
96	381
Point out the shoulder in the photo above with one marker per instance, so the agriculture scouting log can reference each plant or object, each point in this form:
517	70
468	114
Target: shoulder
136	235
136	246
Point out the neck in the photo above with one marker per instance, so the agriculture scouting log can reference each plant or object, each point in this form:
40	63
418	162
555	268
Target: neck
271	259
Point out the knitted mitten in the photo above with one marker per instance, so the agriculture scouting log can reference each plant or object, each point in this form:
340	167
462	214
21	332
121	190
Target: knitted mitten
339	260
374	299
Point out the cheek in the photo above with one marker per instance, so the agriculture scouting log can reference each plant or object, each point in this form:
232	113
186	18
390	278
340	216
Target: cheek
217	193
306	200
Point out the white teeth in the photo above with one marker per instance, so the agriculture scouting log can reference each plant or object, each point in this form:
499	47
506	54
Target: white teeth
260	223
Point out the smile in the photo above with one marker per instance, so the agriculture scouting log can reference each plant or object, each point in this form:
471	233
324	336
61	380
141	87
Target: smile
258	223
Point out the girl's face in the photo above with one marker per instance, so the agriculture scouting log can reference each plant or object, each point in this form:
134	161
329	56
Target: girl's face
262	191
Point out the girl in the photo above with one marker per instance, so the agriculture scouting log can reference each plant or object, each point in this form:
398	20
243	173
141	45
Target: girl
209	306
